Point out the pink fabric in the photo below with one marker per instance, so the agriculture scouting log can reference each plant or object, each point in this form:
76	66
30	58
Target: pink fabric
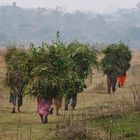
43	107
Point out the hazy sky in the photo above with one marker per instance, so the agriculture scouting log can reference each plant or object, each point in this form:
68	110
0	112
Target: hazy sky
101	6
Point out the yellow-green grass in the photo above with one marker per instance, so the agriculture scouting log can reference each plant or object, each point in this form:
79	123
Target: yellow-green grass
126	127
93	101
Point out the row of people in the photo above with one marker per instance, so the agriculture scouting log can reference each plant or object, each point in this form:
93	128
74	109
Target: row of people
45	107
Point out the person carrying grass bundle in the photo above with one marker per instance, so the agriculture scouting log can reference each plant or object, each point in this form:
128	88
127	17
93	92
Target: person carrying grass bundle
16	99
115	64
16	96
43	108
73	98
121	80
16	76
111	82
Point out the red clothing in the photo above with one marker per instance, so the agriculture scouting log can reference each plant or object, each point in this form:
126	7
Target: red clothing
43	106
121	79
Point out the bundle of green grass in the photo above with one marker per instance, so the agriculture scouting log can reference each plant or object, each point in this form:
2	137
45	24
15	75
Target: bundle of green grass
18	68
116	59
50	70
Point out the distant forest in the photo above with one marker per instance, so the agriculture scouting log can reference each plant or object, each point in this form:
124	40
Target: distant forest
41	24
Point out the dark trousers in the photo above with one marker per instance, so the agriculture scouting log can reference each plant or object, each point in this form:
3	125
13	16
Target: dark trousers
111	83
20	100
14	98
73	98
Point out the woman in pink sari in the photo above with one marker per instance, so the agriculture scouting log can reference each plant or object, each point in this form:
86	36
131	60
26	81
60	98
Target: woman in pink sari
43	109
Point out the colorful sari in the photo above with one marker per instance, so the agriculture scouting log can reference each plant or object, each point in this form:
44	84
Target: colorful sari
43	106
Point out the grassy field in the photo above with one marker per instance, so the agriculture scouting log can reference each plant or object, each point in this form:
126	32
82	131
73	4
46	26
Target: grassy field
126	127
95	108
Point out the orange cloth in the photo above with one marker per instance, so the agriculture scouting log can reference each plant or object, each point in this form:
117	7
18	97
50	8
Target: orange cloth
121	79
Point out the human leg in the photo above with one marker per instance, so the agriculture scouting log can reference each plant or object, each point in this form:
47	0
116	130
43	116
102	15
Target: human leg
67	101
20	102
74	101
58	103
114	86
108	85
13	101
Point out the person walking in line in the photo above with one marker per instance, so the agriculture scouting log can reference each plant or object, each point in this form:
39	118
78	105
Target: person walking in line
16	98
121	80
73	98
43	108
13	101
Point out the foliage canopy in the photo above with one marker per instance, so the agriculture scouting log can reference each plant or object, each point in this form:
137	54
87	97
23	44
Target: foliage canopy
50	70
116	59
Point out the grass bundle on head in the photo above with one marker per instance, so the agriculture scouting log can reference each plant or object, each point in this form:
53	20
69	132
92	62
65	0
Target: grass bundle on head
18	68
116	59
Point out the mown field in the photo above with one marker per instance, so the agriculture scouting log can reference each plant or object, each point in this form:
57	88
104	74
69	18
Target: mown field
98	115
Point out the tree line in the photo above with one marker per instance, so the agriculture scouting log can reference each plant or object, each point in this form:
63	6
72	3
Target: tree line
38	25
